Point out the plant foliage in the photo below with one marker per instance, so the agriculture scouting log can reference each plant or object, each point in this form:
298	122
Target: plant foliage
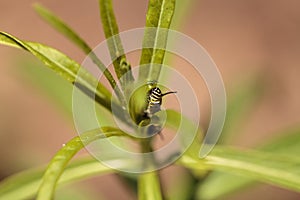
230	169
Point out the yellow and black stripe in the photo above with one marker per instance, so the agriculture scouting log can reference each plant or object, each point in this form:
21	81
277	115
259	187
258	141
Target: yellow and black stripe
154	100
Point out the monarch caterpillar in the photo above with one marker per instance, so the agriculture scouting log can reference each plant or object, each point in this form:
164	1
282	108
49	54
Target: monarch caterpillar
154	100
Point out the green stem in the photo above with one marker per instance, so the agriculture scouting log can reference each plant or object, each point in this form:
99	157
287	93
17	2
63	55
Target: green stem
149	186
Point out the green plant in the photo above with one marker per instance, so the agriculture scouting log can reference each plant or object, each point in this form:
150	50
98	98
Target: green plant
275	163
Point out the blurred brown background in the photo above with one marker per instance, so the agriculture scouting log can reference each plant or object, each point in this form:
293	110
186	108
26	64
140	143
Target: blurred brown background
243	37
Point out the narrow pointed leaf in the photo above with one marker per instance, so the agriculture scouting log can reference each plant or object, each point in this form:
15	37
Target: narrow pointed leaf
54	87
62	65
62	27
65	154
175	120
216	179
182	10
275	169
287	144
24	185
280	170
59	25
158	20
68	69
239	106
116	50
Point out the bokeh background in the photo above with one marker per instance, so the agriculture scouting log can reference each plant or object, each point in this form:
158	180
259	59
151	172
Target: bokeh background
250	38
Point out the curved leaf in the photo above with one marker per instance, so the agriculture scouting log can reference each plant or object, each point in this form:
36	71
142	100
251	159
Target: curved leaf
274	169
116	50
287	144
24	185
62	65
183	9
69	70
62	27
239	106
56	88
74	37
158	20
213	186
64	155
175	120
149	187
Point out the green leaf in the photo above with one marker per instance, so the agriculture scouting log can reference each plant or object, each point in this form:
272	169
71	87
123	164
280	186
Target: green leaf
149	186
62	27
62	65
24	185
75	38
239	106
54	87
288	143
182	10
158	20
64	155
175	120
275	169
116	50
77	192
68	69
271	168
213	186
